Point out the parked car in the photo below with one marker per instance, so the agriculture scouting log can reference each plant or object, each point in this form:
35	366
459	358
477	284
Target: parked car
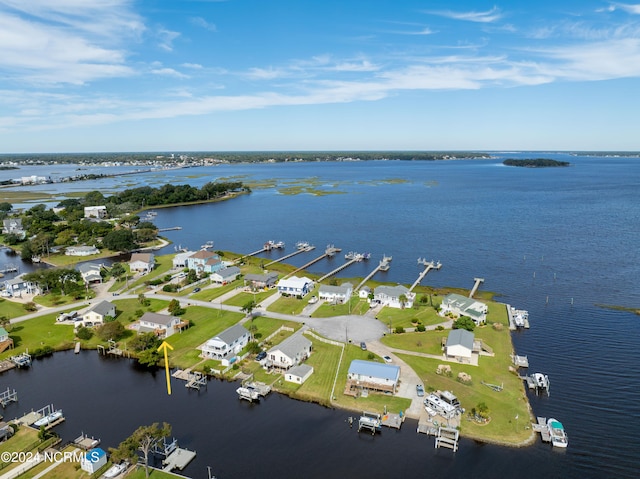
419	390
387	359
363	346
261	355
196	290
313	300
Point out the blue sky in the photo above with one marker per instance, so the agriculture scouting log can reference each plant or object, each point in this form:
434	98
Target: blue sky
188	75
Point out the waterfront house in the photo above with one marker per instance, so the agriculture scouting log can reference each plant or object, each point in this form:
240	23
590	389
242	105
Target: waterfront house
225	275
298	374
18	286
260	281
81	250
90	272
226	345
459	305
204	261
391	295
95	314
5	341
295	286
460	345
335	294
95	212
162	325
93	460
6	431
364	292
290	352
180	259
371	376
13	226
142	262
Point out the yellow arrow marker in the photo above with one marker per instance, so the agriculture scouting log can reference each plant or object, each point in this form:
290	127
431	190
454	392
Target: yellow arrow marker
164	347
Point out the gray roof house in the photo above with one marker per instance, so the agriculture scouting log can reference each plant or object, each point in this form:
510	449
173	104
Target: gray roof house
459	345
338	294
462	306
163	325
259	281
225	275
390	296
90	272
96	313
13	225
290	352
226	344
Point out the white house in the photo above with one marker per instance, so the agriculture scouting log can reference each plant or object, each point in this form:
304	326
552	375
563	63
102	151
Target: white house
98	212
290	352
390	296
13	226
81	250
227	344
335	294
93	460
142	262
161	324
18	286
459	345
459	305
371	375
298	374
364	292
295	286
95	314
225	275
90	272
180	259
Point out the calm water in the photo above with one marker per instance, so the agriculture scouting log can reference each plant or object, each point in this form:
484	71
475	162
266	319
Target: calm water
553	241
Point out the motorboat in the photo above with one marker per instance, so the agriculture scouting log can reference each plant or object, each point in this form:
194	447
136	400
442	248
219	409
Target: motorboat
115	470
557	433
48	419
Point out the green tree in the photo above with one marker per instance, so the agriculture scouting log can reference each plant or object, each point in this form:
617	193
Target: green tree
249	307
117	270
464	322
149	357
5	207
84	333
144	341
114	330
403	300
175	308
142	440
119	240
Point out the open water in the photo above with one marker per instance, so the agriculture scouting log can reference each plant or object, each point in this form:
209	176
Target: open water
555	241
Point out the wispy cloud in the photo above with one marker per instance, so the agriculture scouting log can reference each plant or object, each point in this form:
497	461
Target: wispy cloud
488	16
166	38
201	22
629	8
169	72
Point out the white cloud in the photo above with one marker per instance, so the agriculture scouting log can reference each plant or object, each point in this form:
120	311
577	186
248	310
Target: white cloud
634	9
168	72
489	16
201	22
194	66
166	38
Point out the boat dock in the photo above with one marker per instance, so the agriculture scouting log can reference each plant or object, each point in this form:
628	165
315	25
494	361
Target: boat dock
194	379
518	318
298	251
520	361
447	437
393	420
429	265
476	285
21	360
171	228
538	382
351	258
382	266
542	428
9	269
76	349
328	252
370	421
427	428
8	396
248	393
6	365
268	246
85	442
178	459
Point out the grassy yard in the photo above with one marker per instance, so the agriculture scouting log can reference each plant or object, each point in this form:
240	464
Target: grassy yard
355	306
288	305
11	309
243	298
139	473
53	300
209	294
426	342
64	470
65	261
20	441
38	332
422	312
164	264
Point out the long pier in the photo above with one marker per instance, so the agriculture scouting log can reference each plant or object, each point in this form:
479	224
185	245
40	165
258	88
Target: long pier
329	252
382	266
476	285
429	265
355	258
171	228
301	250
9	269
268	246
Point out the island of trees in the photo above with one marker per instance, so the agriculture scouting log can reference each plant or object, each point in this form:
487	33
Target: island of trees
535	163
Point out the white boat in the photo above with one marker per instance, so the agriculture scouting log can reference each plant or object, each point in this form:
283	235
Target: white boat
48	419
541	380
556	430
302	245
115	470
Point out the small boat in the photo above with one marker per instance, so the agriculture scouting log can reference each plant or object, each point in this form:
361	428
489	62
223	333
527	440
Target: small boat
541	380
558	436
302	245
249	393
115	470
48	419
207	245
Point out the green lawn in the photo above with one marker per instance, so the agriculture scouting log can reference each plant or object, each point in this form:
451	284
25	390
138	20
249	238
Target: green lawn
23	438
11	309
288	305
53	300
139	473
243	298
355	305
209	294
422	312
426	342
38	332
164	264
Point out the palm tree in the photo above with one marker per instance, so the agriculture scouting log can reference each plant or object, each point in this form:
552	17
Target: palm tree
403	300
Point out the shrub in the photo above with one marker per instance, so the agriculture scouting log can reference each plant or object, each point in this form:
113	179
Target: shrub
421	328
371	356
30	306
399	330
170	288
84	333
440	328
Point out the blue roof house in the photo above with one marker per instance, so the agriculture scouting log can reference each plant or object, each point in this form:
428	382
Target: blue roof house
369	375
93	460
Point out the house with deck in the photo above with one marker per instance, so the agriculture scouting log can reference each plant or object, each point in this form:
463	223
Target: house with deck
371	376
95	212
95	314
394	296
458	305
290	352
81	250
295	286
335	294
13	226
204	261
142	262
163	325
90	272
18	286
226	345
461	346
260	281
225	275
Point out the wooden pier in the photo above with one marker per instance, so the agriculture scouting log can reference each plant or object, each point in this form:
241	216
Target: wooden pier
447	437
178	459
76	349
393	420
520	361
194	379
85	442
300	250
382	266
328	253
542	428
340	268
476	285
8	396
429	265
171	228
370	421
426	428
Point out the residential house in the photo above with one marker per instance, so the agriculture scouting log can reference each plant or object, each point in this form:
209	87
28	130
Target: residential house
459	305
391	295
161	324
90	272
4	335
364	292
370	375
98	212
290	352
81	250
93	460
298	374
6	431
205	261
460	345
180	259
335	294
95	314
18	286
260	281
5	341
226	345
142	262
295	286
225	275
13	226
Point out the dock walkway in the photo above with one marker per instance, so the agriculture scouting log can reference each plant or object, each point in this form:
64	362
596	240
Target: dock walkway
301	250
542	428
329	252
178	459
429	265
382	266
